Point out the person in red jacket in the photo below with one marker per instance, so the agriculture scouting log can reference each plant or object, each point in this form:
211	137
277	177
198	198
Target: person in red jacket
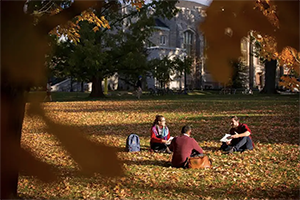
184	147
159	135
240	137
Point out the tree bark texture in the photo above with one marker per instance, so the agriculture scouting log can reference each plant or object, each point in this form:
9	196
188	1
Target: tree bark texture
81	86
97	87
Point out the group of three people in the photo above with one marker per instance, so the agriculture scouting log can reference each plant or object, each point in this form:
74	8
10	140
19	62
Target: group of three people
184	146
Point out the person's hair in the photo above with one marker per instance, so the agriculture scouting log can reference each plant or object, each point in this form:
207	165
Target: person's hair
157	119
186	129
235	118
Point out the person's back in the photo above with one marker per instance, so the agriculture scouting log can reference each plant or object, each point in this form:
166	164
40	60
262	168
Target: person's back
183	147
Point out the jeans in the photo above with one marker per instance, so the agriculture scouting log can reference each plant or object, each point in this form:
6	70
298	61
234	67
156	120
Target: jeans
240	144
158	146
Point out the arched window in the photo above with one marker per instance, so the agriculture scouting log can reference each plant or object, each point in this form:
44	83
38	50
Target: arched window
188	41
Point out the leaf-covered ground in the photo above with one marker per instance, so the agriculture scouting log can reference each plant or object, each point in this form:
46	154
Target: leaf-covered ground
270	171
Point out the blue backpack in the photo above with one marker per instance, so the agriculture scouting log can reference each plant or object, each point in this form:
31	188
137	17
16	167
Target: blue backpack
133	143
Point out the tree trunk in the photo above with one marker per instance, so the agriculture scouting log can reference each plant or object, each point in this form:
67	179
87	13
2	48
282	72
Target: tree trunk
97	87
71	84
82	90
12	115
270	77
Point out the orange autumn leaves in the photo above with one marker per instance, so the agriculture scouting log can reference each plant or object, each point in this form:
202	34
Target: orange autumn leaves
270	171
71	29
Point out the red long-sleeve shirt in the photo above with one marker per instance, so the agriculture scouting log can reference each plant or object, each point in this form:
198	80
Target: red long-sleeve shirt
155	139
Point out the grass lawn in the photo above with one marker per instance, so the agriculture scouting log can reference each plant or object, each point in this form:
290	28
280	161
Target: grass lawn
270	171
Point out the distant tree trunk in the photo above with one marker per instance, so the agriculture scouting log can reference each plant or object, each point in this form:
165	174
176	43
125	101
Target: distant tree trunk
82	90
71	84
270	77
12	114
180	84
97	87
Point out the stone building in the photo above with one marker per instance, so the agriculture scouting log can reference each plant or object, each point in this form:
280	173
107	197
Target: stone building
179	37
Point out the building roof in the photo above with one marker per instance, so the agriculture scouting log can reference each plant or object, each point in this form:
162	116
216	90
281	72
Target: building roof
159	23
190	4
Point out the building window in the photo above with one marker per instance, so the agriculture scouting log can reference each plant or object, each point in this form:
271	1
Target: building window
162	40
188	42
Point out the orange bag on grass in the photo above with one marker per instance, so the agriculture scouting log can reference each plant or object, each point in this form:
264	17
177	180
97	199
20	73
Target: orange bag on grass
199	162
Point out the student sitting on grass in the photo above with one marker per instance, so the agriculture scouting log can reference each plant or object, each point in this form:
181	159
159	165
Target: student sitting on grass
240	137
159	135
184	147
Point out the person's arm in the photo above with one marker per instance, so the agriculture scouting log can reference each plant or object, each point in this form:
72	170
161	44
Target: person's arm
197	147
246	132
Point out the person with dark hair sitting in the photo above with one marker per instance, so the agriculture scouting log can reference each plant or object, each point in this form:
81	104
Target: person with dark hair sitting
184	147
160	135
240	137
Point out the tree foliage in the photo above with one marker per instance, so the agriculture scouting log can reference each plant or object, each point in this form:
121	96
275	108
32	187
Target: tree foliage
120	49
165	68
239	74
